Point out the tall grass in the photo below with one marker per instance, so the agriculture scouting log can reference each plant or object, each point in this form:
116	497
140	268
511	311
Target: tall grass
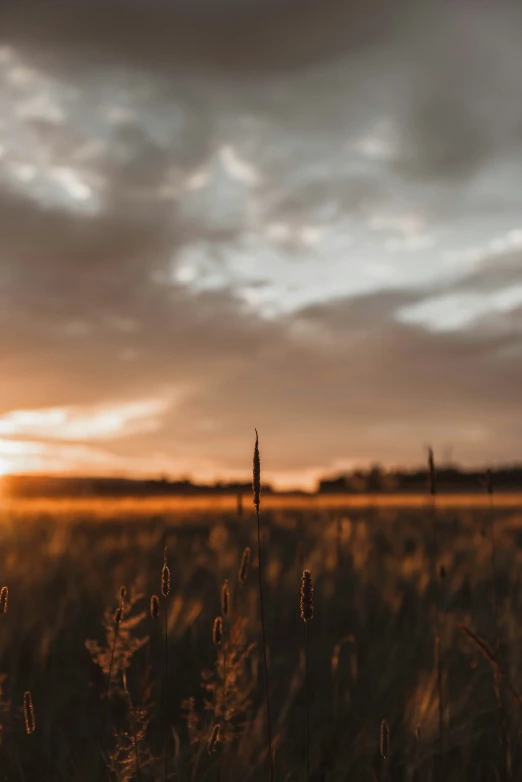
225	604
376	594
497	676
438	576
256	486
117	621
243	567
4	599
384	747
165	591
30	724
307	613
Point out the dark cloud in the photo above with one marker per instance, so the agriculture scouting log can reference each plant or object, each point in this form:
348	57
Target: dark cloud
251	35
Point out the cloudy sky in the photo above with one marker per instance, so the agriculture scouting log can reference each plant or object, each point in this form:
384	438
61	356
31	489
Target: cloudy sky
300	215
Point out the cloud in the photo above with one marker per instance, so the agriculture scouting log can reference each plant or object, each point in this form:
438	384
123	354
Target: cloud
84	425
341	380
156	34
259	233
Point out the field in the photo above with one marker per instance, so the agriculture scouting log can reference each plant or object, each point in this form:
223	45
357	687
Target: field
372	641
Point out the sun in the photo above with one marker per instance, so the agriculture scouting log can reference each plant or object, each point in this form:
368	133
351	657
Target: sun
4	467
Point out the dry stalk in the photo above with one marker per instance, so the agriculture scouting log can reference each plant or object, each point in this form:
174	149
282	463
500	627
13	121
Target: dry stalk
256	487
438	607
307	613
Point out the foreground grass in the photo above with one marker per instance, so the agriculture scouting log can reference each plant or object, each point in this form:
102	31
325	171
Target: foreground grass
370	645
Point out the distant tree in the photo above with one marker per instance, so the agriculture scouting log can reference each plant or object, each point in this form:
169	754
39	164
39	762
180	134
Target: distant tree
374	479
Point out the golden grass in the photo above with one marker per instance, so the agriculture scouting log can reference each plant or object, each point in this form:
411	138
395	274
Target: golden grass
371	649
30	724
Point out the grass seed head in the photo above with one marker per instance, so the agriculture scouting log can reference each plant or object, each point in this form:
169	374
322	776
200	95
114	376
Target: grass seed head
307	596
4	597
243	568
225	598
214	739
217	631
30	724
154	606
256	479
385	739
165	576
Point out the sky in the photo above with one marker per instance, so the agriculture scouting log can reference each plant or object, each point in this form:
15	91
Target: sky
300	216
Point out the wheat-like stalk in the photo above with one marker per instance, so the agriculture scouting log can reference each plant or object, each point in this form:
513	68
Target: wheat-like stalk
243	568
165	576
165	590
307	613
384	747
498	676
307	596
385	740
256	475
154	606
256	488
504	737
438	606
118	616
488	485
225	606
4	598
214	739
225	598
30	724
217	631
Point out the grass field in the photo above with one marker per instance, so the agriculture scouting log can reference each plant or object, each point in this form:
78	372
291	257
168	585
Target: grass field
371	642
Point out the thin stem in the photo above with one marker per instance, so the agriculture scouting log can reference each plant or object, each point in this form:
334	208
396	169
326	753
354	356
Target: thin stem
494	574
504	738
438	640
166	694
138	774
224	714
224	682
440	684
106	708
307	707
199	753
133	723
267	696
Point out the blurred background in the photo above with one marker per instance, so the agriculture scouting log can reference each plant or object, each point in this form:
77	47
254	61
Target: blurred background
300	216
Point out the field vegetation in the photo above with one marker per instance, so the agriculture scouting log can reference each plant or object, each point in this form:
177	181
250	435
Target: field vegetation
94	659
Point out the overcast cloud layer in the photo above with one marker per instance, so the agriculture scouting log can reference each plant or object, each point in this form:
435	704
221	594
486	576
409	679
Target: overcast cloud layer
300	216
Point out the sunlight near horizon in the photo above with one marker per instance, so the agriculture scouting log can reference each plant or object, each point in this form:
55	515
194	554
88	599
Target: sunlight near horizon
76	423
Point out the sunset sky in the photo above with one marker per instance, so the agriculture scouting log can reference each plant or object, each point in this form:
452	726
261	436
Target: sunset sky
304	216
